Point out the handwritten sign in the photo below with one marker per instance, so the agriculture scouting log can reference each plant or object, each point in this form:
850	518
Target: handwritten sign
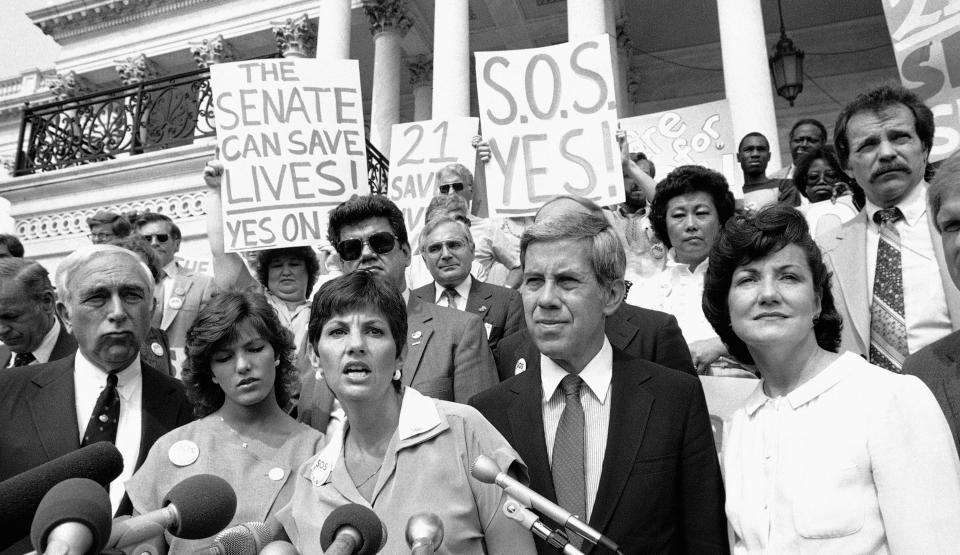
420	150
291	138
926	41
550	117
700	134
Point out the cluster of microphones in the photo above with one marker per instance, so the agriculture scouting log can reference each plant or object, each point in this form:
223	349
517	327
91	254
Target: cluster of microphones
65	508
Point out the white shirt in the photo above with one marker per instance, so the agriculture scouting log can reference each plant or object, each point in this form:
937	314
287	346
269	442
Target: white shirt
43	352
595	398
463	290
924	301
678	291
491	245
296	320
88	382
855	460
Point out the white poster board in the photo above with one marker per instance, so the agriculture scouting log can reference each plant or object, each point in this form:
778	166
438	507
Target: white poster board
550	117
724	396
291	138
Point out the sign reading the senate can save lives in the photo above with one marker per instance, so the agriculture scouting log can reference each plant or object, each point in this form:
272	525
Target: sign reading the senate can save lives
292	142
550	117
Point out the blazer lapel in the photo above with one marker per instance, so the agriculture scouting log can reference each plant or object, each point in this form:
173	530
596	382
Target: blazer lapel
479	298
181	286
418	335
853	282
526	427
53	408
620	329
65	346
629	411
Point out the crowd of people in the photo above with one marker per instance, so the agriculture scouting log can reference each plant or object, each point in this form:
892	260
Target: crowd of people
380	369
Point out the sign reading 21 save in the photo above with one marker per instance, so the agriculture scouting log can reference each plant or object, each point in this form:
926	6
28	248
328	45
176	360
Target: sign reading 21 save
550	116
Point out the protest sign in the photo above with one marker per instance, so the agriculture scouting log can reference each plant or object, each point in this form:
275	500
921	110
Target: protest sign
550	117
292	142
420	149
700	134
926	42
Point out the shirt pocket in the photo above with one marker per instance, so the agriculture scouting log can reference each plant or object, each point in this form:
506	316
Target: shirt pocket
830	501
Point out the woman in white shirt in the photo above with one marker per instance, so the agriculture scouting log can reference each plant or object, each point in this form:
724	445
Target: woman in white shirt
830	454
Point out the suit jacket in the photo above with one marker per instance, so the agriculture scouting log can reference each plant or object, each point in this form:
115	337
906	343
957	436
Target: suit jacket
65	346
639	332
845	253
660	488
938	366
39	421
155	352
500	308
192	290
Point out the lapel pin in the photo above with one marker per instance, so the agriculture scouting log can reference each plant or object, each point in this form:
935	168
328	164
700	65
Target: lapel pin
276	474
183	453
417	334
176	302
179	291
157	349
521	366
482	308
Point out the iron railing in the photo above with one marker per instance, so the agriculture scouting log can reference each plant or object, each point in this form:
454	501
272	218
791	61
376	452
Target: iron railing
153	115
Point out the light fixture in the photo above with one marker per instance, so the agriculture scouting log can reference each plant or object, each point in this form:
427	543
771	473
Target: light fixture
786	63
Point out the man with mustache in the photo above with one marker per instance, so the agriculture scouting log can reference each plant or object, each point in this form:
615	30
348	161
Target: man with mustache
885	261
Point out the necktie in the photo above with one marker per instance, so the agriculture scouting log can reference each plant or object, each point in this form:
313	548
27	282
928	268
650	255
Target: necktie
23	359
158	295
569	477
103	421
451	295
888	328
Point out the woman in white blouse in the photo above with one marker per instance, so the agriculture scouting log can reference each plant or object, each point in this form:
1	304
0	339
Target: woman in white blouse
830	454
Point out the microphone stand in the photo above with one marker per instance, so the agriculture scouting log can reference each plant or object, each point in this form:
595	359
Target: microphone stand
526	518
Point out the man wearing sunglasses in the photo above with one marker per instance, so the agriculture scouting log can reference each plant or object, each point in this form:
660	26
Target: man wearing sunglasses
447	248
180	292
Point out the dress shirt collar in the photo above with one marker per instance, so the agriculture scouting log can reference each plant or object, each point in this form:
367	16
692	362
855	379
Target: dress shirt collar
172	269
43	352
672	263
277	301
913	206
807	391
85	372
597	374
463	289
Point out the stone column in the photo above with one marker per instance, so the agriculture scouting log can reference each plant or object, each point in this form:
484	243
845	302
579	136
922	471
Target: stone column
388	24
746	74
296	37
333	33
621	64
451	59
421	77
588	18
212	51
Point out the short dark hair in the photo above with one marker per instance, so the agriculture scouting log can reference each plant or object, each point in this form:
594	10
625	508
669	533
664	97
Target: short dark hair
638	156
360	208
140	246
13	245
810	121
218	325
875	101
360	290
686	180
945	184
33	279
151	217
119	224
306	254
749	237
752	134
825	153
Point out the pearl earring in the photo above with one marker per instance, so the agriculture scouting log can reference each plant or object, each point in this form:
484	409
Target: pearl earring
396	375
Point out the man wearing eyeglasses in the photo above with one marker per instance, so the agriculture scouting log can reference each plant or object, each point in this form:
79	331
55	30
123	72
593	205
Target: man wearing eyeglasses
181	292
447	248
106	226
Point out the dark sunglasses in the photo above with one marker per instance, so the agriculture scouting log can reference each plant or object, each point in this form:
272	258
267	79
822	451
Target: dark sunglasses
380	242
161	237
452	245
445	188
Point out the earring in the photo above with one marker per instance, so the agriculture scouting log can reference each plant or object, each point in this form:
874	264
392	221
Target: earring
396	375
816	319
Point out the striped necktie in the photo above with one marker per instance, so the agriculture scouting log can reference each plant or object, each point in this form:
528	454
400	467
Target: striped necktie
888	328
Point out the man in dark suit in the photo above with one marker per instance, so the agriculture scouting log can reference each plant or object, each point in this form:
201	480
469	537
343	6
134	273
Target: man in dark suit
622	442
938	364
29	328
447	250
104	392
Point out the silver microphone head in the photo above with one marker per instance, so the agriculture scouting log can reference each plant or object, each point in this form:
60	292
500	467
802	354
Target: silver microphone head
425	529
485	469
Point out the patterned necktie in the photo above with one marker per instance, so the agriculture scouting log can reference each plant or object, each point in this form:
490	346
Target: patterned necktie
569	476
451	295
888	328
158	295
103	421
23	359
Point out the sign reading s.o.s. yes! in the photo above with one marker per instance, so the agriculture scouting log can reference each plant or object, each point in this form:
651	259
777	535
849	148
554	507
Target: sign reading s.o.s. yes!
292	142
550	117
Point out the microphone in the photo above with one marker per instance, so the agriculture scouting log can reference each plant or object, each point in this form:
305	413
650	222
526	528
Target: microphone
73	517
243	539
514	510
352	529
486	470
196	508
21	495
424	533
279	548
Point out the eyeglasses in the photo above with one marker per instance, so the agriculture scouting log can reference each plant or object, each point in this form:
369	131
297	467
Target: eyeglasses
828	177
380	242
452	245
445	188
161	237
101	237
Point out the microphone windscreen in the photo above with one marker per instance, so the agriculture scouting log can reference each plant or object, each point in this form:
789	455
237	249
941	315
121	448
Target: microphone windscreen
373	535
246	539
74	500
485	469
21	494
206	505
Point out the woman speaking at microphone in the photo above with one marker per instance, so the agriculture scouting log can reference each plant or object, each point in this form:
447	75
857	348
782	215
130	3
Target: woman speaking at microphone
398	452
238	375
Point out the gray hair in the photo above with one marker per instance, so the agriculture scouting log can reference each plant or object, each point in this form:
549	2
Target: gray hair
607	257
462	172
78	258
32	279
439	220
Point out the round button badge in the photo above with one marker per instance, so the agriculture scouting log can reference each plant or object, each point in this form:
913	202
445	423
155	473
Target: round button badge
184	452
